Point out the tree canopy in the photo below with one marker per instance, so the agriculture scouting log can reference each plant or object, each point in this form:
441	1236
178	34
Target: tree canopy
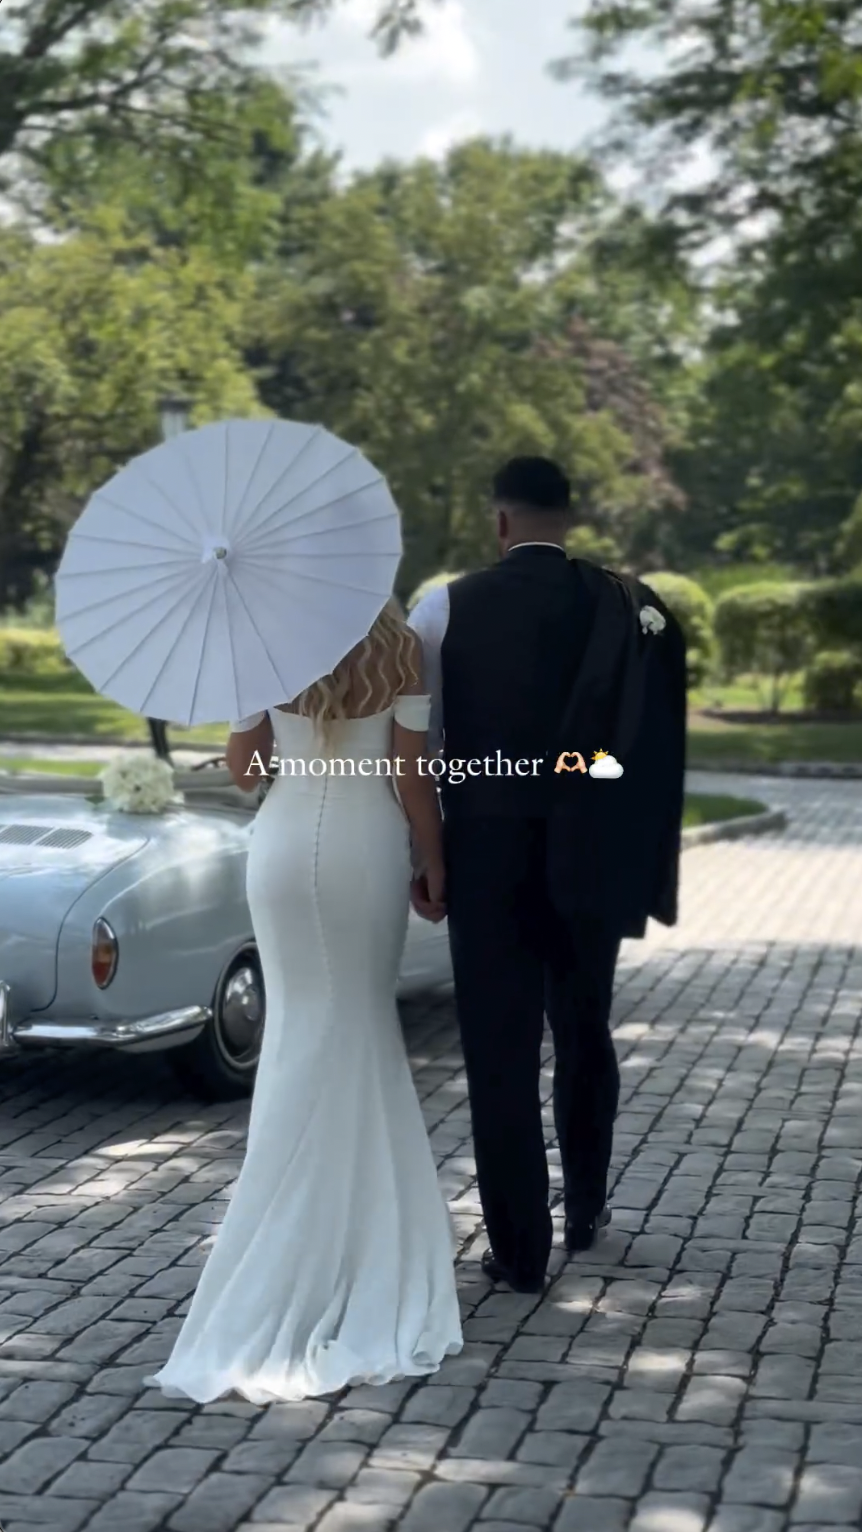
437	311
171	222
769	97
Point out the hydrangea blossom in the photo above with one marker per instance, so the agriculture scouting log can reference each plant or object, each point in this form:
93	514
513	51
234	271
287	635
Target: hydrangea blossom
138	783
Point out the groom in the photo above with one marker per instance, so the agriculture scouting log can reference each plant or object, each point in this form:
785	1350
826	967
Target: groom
546	661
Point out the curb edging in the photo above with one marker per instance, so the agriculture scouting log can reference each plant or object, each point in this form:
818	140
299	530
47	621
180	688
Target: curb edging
735	829
816	770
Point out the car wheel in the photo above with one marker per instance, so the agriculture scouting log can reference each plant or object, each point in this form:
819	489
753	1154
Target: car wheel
220	1064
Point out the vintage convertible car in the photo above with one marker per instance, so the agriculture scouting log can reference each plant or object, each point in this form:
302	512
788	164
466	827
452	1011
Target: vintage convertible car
133	932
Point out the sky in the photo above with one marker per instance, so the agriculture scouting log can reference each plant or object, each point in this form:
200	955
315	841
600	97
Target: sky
481	68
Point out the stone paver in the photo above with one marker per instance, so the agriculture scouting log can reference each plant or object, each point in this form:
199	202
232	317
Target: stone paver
699	1371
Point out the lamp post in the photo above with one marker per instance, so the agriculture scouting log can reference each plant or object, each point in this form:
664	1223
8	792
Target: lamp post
174	412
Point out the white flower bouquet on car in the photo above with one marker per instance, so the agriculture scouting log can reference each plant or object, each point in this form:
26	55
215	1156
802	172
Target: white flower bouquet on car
138	783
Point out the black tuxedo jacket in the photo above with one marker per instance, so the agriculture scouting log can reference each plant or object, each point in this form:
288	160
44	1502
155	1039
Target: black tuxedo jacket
614	844
545	655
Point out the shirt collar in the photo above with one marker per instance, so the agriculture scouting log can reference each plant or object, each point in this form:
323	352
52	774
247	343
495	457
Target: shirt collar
555	546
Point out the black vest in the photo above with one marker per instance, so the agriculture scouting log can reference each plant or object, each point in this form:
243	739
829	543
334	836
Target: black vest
513	647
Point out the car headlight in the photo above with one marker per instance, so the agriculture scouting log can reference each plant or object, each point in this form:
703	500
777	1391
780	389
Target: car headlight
104	953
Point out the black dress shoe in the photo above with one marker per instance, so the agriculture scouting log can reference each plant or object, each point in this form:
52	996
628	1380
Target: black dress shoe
498	1273
581	1233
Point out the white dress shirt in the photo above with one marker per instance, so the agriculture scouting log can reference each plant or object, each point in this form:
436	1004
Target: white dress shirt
429	621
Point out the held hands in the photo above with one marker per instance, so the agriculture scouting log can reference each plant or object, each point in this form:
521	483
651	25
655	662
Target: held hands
428	894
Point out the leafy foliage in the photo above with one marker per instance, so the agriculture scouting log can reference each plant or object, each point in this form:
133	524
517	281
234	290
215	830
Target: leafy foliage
764	629
768	100
95	329
447	316
585	542
832	682
29	652
774	90
426	313
834	611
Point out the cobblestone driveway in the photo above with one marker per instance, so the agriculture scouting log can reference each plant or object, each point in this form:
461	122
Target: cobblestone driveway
701	1371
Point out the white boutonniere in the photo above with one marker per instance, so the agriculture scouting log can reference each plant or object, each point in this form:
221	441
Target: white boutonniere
651	620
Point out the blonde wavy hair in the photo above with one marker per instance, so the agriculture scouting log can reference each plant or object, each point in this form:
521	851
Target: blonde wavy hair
366	681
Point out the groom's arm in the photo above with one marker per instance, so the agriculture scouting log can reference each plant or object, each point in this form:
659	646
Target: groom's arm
429	621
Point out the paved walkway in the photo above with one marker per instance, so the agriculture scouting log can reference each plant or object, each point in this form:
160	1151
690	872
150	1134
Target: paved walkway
700	1371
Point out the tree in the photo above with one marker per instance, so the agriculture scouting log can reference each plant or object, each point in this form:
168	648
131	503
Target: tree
95	329
427	317
139	72
236	196
773	93
772	465
770	95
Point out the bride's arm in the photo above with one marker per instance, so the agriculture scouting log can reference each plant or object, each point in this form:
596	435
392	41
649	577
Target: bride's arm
249	751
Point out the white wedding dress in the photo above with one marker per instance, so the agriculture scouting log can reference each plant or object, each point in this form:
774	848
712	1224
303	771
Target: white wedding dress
334	1263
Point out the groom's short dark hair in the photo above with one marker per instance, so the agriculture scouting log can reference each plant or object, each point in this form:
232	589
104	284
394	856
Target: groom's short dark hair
535	483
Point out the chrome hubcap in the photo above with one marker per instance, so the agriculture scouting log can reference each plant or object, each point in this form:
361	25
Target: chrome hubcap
241	1015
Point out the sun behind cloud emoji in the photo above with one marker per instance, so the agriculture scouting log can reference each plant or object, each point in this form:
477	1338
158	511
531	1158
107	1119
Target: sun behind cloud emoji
605	765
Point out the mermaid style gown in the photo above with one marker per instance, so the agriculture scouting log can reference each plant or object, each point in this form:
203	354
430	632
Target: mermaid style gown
334	1262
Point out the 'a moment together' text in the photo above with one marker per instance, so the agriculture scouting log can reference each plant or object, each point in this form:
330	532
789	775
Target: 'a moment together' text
455	771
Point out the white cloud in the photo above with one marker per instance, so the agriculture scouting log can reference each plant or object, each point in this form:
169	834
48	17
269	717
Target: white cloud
608	766
445	52
443	136
451	83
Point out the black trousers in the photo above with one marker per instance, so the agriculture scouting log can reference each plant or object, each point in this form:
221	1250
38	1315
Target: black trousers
516	959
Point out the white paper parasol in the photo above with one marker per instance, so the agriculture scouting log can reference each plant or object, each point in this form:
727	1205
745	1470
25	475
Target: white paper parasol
222	573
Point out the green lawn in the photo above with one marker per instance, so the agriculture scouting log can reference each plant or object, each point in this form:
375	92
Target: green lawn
60	708
16	764
747	694
57	707
713	742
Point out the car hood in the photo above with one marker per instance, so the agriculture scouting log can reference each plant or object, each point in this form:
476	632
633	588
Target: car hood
51	851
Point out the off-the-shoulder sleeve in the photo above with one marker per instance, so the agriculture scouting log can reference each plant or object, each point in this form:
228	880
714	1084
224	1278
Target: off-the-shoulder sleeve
244	725
413	711
430	619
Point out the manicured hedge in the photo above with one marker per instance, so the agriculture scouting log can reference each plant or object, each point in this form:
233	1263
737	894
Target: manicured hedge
833	682
31	652
764	629
834	612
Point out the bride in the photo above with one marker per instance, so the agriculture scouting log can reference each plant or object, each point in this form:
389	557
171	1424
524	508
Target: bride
334	1263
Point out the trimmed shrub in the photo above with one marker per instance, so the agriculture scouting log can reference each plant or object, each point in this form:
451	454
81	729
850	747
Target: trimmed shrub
764	629
832	681
834	611
718	578
31	652
695	613
431	584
